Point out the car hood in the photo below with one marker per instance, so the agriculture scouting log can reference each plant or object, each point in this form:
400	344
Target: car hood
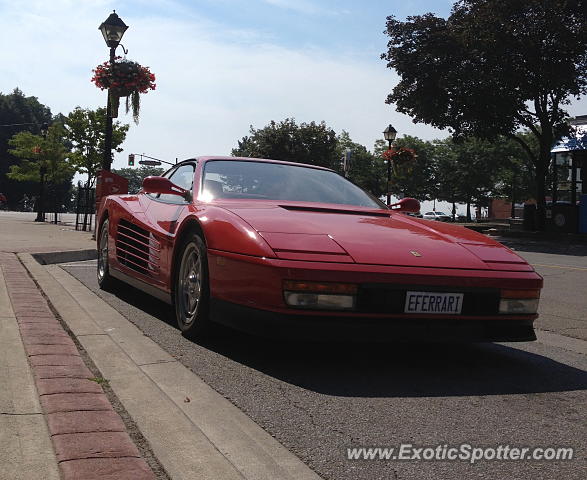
338	233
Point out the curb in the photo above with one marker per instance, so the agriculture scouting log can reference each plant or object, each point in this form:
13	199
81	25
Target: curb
50	258
193	431
89	438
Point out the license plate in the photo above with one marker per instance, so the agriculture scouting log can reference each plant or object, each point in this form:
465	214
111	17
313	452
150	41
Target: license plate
434	302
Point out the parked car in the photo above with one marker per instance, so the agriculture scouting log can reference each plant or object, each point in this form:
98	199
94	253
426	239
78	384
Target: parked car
440	216
286	249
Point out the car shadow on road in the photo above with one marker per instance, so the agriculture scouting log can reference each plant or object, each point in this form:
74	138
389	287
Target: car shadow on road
363	369
402	370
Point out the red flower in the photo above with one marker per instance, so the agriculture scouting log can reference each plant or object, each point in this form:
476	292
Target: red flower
123	73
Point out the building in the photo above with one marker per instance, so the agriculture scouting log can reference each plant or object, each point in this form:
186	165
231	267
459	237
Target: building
567	210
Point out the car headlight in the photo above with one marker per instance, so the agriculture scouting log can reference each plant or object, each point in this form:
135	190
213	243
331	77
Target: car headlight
320	296
519	302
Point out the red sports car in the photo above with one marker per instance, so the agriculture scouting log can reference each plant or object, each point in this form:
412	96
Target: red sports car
287	249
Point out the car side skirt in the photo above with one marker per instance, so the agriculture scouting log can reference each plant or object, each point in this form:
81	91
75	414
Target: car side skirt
143	286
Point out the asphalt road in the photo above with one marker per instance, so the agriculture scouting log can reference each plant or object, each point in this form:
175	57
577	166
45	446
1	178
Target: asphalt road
563	306
318	400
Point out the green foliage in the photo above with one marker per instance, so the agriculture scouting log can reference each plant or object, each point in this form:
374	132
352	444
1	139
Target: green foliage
85	129
517	169
312	143
457	170
473	170
38	153
17	109
366	170
44	160
315	144
421	182
135	176
468	170
492	68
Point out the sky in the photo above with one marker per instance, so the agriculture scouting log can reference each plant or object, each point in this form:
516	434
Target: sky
221	66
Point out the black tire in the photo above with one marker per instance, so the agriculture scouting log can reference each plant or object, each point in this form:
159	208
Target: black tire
105	280
191	290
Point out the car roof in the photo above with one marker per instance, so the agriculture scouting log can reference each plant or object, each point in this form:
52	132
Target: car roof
252	159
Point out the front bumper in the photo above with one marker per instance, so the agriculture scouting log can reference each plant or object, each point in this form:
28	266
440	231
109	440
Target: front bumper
247	295
357	328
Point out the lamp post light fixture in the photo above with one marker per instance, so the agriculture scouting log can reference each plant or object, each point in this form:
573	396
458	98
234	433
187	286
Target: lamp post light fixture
112	29
42	172
389	134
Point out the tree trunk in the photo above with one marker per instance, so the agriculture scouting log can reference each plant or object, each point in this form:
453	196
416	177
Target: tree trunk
468	210
41	198
513	209
546	139
541	170
540	200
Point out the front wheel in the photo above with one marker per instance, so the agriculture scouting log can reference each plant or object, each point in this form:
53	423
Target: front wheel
191	289
105	280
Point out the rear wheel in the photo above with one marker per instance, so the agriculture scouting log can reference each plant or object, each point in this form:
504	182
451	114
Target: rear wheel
191	289
105	280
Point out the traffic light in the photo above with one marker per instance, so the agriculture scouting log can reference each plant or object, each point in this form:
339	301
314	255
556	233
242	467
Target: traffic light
131	159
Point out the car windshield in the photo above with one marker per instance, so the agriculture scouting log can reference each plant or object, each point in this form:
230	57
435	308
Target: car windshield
275	181
442	213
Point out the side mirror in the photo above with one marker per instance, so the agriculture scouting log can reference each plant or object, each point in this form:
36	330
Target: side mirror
407	205
164	186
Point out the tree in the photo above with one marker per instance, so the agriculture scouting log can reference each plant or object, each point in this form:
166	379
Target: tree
315	144
492	68
421	181
18	113
43	159
135	176
515	180
86	129
312	143
366	170
469	170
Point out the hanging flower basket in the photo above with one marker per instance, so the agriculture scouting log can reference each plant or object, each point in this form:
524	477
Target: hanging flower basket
124	78
402	160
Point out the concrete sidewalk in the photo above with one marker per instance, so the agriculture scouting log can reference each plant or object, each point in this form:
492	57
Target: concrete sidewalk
27	452
20	233
191	430
58	422
89	439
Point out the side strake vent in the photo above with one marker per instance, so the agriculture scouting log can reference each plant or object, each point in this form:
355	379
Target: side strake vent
136	248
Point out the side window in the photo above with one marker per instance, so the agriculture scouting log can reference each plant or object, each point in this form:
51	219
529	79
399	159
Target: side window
182	177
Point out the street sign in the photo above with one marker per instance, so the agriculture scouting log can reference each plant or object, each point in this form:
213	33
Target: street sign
152	163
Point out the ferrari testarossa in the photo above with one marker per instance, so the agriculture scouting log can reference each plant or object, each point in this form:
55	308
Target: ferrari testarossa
294	250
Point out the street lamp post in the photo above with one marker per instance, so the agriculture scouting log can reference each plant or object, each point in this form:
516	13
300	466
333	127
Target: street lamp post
112	29
42	173
389	133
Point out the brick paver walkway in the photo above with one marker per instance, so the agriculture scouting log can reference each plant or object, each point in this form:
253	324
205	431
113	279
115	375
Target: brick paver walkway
89	437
